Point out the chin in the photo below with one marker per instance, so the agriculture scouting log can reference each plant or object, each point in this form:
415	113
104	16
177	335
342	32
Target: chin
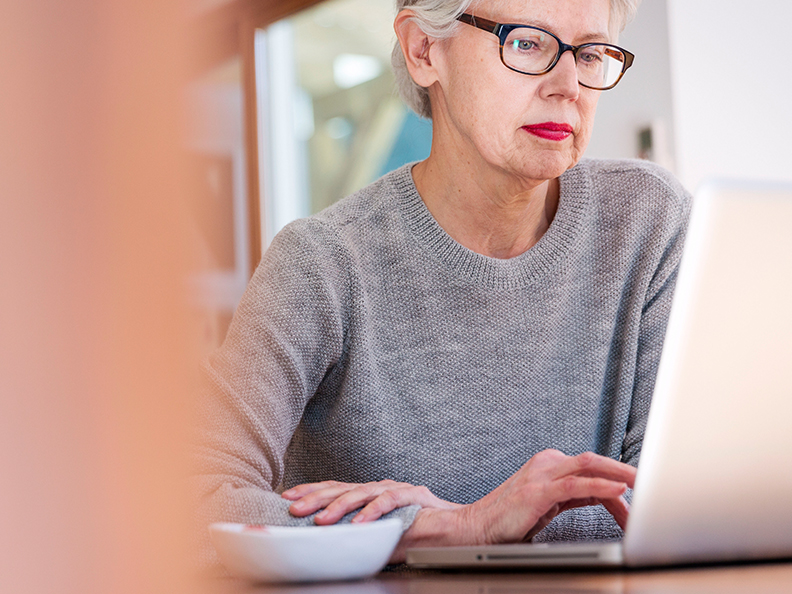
544	167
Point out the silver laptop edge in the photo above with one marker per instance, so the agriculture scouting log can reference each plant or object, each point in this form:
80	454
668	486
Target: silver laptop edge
520	555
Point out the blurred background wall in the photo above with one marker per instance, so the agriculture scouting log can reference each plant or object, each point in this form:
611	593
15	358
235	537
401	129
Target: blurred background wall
731	83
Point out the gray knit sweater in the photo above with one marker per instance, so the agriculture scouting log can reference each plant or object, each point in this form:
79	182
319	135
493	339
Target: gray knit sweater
370	345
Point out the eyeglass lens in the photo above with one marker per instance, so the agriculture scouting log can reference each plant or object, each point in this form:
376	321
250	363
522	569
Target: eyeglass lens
532	51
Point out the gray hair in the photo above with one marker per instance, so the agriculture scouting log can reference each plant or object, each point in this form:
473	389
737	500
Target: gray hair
438	19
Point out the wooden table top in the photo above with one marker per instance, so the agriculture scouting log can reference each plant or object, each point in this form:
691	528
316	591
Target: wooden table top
744	579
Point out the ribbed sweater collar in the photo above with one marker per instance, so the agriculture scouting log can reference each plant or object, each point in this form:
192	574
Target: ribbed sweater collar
529	267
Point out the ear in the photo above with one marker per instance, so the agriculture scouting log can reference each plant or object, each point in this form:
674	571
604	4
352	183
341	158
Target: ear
416	46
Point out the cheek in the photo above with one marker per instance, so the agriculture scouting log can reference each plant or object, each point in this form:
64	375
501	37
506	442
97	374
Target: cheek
477	95
588	109
476	109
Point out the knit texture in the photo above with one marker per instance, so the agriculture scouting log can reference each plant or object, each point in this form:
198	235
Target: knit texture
370	345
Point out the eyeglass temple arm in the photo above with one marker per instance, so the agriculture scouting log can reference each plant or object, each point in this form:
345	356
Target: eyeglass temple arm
628	59
618	54
485	24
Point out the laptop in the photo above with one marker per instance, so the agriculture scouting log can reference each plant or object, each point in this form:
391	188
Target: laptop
715	478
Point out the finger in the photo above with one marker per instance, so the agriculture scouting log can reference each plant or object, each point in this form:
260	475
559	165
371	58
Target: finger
319	499
300	491
352	500
393	499
594	465
619	509
582	487
573	503
405	495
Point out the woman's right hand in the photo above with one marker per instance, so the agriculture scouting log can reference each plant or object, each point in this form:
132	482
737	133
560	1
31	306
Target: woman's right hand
548	484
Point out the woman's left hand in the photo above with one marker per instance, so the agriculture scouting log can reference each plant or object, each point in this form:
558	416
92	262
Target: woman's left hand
376	499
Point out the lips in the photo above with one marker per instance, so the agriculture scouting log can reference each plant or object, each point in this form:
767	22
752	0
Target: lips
550	131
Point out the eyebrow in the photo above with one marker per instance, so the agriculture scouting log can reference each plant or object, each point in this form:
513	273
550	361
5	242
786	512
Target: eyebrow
595	37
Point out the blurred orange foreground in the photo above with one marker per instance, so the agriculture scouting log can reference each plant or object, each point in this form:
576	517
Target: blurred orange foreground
95	363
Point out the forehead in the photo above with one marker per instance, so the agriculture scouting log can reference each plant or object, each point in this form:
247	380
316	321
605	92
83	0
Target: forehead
571	20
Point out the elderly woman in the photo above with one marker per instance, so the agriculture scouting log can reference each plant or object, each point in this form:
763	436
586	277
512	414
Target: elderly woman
471	342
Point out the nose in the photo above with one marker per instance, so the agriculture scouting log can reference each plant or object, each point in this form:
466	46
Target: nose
562	80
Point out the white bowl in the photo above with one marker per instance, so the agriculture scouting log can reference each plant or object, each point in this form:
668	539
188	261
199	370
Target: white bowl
306	553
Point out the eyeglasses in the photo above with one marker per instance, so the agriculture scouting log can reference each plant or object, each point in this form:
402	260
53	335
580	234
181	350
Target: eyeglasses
534	51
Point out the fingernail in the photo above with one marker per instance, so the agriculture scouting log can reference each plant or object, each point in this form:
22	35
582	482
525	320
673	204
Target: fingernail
321	514
298	505
287	493
358	518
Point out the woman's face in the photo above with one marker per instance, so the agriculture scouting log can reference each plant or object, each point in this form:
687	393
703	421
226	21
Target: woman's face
482	107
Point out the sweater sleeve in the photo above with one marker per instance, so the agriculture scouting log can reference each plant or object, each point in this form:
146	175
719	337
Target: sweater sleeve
654	320
595	523
287	334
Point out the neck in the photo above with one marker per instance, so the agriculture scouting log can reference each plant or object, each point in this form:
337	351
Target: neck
483	209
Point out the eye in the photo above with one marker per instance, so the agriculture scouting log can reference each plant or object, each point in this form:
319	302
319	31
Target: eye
523	45
526	40
590	56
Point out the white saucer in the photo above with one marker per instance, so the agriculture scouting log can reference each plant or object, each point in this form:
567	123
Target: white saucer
305	554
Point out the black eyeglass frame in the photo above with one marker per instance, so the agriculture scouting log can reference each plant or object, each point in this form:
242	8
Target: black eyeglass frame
502	30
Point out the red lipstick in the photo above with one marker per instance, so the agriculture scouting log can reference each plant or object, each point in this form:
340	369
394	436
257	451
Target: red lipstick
550	130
